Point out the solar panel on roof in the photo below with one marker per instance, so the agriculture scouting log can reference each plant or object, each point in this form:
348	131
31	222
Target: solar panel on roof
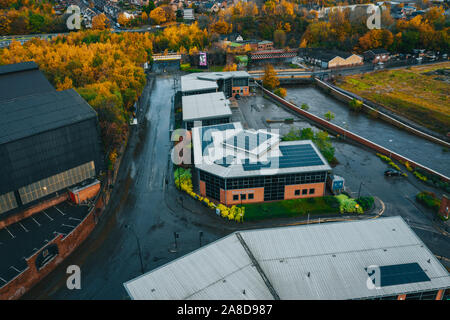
398	274
292	156
225	161
206	133
248	140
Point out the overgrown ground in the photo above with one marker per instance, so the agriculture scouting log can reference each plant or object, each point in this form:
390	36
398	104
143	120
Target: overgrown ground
418	93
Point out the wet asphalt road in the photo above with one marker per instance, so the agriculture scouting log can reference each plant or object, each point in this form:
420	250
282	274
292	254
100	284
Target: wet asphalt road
110	256
146	214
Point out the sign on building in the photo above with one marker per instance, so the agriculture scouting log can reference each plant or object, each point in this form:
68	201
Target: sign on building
203	61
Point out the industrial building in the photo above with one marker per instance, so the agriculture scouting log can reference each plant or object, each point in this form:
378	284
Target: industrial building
209	108
237	166
329	59
230	83
366	259
49	140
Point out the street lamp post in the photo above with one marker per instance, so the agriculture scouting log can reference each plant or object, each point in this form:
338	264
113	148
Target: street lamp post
200	235
359	192
138	245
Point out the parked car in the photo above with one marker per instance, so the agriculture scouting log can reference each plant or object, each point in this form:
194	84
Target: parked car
392	173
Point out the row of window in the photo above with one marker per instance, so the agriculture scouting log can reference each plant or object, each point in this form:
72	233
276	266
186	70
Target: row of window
274	186
57	182
208	122
240	82
244	196
7	202
288	179
304	191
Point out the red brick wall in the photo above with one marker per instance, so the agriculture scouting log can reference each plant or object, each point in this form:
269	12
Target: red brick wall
445	206
245	91
258	194
289	191
87	193
202	188
31	276
34	209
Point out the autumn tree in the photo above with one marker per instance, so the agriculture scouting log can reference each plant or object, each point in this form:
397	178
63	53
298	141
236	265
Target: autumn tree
279	38
221	27
376	38
100	22
123	20
230	67
270	79
158	15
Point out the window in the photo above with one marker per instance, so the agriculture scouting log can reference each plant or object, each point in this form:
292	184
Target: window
7	202
297	192
305	191
243	196
57	182
236	197
250	196
311	191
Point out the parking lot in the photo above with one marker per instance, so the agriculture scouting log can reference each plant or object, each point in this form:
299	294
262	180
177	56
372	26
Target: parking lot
22	239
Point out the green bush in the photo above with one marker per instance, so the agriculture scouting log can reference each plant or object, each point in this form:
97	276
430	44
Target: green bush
429	199
355	105
281	92
305	107
348	205
365	202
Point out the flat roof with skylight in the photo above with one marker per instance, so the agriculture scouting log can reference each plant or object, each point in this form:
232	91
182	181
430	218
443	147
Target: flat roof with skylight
230	151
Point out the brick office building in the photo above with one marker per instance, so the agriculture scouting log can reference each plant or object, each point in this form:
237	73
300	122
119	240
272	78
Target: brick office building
254	166
49	140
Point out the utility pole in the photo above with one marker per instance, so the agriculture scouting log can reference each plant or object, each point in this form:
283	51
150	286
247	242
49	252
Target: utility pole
359	192
138	245
175	247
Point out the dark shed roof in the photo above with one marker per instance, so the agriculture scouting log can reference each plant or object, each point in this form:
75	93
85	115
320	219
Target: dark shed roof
22	79
324	54
377	51
33	114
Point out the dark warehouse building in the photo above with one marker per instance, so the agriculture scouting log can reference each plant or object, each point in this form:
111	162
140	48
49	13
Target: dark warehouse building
49	140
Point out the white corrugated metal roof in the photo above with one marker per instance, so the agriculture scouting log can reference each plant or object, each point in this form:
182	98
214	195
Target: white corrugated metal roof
205	106
207	80
193	84
334	255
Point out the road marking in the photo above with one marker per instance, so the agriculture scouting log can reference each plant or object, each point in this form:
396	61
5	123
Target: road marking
60	211
51	219
12	236
36	221
72	218
14	268
67	225
23	227
3	280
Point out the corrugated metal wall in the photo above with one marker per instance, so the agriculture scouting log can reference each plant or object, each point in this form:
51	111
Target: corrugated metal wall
28	160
